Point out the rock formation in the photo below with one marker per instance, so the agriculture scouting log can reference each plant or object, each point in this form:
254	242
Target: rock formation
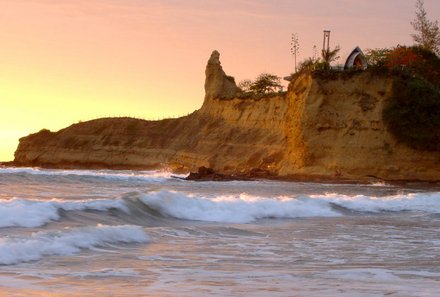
322	128
217	84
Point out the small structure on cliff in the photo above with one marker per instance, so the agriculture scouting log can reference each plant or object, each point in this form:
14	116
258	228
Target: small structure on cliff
356	60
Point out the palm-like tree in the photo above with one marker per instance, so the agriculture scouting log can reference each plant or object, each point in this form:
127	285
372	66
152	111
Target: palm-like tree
329	56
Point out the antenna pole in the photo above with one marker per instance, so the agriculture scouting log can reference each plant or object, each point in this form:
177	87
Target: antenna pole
326	42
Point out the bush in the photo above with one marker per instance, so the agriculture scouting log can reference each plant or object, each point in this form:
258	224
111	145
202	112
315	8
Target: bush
405	61
264	85
377	57
309	64
245	85
402	56
428	66
413	113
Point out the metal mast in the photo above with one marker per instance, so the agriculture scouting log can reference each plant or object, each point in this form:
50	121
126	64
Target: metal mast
326	42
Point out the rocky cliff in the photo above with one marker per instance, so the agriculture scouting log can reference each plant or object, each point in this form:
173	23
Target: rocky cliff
320	128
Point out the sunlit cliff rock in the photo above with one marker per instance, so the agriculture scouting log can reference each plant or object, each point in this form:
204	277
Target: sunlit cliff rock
320	128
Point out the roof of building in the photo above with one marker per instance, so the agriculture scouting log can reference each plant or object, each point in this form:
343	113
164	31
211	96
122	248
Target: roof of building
356	53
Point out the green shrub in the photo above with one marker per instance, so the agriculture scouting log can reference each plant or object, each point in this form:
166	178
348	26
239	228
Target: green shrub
412	114
266	83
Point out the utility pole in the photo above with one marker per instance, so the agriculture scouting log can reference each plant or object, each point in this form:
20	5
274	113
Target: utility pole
294	46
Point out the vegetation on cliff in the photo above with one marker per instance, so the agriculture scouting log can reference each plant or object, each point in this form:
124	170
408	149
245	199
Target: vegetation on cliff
266	84
413	113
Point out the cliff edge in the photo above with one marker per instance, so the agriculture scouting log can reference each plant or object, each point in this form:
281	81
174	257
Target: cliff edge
320	128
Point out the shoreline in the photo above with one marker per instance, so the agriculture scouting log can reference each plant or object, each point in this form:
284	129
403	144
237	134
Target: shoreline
214	176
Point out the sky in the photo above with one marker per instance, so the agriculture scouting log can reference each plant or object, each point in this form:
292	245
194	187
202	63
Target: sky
65	61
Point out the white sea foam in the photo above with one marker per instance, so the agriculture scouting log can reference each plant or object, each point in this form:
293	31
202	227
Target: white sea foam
124	175
380	184
234	209
34	213
244	208
66	242
425	202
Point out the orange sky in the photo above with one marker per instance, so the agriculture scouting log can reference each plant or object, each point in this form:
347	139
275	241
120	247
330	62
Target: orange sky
62	61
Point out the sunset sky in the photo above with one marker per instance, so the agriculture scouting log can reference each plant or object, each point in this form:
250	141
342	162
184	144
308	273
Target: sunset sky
62	61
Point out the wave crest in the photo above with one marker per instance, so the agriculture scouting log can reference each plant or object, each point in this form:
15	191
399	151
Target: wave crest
241	208
234	209
35	213
244	208
127	175
66	242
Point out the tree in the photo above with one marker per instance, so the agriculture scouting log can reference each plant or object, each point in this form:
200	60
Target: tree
245	85
329	56
266	83
427	32
377	57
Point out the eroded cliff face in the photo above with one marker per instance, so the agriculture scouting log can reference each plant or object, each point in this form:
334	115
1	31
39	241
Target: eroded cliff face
339	127
320	128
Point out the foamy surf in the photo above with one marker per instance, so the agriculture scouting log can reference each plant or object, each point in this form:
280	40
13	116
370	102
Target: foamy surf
66	242
241	208
152	176
233	209
244	208
35	213
366	227
424	202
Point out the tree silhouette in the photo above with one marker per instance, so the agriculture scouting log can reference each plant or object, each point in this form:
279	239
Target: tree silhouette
329	56
245	85
427	32
266	83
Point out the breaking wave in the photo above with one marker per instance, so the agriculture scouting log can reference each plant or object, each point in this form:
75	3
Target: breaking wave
424	202
153	207
245	209
152	176
66	242
35	213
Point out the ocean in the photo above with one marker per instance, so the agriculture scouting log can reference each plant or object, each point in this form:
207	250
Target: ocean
148	233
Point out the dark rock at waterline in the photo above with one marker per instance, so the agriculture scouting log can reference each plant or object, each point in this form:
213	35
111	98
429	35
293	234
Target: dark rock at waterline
208	174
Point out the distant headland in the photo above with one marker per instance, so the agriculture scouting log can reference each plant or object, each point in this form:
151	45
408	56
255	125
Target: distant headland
329	124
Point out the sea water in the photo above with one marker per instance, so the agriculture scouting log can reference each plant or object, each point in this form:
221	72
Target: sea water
139	233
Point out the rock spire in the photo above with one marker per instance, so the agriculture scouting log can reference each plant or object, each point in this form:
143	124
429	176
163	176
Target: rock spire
218	85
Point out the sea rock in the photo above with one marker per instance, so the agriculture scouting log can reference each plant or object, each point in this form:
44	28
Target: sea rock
208	174
218	85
